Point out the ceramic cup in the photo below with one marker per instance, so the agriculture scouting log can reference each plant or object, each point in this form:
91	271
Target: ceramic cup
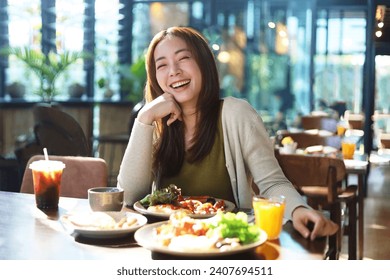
105	199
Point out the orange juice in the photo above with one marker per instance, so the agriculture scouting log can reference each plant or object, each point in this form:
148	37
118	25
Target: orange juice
269	215
341	130
348	150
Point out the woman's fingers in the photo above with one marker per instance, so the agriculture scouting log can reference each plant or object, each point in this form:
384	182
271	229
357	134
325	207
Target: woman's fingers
323	228
172	119
159	108
320	225
175	110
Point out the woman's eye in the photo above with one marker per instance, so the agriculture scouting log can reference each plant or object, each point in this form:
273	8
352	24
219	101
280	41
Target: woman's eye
184	58
160	66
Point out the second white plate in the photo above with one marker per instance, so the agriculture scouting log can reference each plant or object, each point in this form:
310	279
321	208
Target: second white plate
229	207
91	232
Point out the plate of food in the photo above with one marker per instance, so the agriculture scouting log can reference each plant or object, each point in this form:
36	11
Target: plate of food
224	234
320	149
103	224
162	203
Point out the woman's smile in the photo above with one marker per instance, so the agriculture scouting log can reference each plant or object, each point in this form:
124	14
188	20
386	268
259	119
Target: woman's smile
180	84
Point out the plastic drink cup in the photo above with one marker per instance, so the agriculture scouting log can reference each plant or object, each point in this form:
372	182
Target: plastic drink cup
269	214
47	175
348	149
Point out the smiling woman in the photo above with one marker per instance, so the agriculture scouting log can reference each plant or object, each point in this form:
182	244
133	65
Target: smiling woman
188	136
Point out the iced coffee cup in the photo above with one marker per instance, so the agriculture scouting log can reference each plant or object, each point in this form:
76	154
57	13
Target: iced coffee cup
47	176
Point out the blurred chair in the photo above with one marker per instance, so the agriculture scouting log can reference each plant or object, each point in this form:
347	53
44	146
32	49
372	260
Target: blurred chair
55	130
384	139
305	139
319	122
80	174
320	179
59	132
355	121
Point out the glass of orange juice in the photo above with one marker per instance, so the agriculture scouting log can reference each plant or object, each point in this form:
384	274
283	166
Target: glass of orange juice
341	129
348	149
269	214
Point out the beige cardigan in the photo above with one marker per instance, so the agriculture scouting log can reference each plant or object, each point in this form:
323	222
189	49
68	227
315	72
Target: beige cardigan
248	150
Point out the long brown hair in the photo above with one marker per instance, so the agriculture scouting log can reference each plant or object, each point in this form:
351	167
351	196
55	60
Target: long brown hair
169	149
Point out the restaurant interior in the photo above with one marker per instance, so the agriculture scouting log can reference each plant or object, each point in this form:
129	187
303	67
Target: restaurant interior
308	67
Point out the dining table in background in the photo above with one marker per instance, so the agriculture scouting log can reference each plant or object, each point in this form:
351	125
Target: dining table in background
28	233
359	166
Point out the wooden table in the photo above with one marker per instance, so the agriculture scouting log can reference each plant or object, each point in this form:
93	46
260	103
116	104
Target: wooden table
360	169
27	233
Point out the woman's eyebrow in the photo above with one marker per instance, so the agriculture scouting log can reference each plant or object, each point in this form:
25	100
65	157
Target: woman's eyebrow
176	52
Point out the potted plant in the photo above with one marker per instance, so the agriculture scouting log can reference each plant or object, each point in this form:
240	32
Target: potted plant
76	90
16	89
46	67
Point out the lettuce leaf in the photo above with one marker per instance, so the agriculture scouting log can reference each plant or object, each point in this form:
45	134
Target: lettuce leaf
168	195
231	225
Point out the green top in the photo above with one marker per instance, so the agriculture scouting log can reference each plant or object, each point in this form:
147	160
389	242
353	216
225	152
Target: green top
209	177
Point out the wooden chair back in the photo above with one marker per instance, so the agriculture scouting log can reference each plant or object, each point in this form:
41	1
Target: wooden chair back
384	139
80	174
320	179
314	176
59	132
355	121
319	122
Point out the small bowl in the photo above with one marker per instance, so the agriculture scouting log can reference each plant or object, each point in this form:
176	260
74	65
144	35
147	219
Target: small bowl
289	149
105	199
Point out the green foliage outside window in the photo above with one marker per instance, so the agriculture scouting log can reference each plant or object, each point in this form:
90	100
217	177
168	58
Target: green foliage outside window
46	67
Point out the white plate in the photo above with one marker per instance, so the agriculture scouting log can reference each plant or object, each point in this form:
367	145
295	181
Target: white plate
321	149
320	132
355	163
229	207
104	233
380	159
329	150
354	133
145	238
314	149
325	133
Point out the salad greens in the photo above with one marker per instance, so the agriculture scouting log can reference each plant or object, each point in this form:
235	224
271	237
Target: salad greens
231	225
168	195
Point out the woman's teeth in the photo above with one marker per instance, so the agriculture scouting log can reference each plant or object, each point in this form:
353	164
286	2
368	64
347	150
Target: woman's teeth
180	84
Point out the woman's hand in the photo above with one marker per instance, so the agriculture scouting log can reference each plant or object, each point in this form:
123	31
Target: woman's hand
302	216
160	107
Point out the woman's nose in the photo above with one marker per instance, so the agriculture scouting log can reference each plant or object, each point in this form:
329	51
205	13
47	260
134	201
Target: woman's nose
174	70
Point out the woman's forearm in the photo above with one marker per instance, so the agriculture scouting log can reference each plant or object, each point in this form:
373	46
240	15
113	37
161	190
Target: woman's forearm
135	173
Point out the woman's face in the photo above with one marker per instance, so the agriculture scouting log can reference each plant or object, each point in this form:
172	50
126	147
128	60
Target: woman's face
177	71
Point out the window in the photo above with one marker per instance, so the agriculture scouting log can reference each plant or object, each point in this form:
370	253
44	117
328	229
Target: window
44	26
24	26
263	48
340	53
